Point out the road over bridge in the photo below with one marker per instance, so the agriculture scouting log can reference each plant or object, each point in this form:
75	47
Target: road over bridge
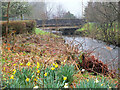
67	26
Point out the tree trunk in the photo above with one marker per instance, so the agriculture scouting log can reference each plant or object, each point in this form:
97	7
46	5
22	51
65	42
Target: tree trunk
21	17
119	43
7	21
119	14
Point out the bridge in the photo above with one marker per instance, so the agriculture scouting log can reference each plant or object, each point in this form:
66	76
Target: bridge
66	30
67	26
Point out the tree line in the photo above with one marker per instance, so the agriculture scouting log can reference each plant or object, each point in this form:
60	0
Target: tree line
34	10
102	12
106	16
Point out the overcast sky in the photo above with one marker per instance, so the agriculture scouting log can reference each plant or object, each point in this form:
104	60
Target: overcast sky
74	6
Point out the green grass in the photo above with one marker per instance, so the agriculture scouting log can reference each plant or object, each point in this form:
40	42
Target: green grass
41	32
87	26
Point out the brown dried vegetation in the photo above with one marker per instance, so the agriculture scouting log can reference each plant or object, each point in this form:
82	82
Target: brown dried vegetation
46	50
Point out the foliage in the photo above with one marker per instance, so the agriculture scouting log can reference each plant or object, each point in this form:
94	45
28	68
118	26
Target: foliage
16	9
66	71
105	14
19	79
87	26
51	80
28	77
95	30
19	26
95	83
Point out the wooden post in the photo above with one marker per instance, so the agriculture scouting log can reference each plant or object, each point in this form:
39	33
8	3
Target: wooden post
21	17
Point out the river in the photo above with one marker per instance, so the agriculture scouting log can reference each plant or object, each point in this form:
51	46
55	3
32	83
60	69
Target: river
107	54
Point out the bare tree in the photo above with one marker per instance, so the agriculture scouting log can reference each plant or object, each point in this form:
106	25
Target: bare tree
104	13
49	10
60	11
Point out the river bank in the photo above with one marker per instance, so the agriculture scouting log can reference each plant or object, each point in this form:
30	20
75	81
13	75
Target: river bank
111	35
96	47
40	52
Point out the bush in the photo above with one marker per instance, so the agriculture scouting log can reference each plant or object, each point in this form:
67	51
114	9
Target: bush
18	26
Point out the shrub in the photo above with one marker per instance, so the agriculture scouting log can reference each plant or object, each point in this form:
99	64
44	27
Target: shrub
18	26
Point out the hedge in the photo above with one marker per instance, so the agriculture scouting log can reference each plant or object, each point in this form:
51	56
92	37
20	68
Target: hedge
21	26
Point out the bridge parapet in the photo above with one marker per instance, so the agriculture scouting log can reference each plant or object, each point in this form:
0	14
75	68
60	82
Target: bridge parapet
60	22
66	26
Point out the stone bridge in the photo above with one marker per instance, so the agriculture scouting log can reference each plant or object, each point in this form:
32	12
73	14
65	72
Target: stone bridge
67	26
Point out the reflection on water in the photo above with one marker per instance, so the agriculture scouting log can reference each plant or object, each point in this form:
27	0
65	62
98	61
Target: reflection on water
105	53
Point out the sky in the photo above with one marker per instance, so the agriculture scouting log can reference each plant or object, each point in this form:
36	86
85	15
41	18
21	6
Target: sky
74	6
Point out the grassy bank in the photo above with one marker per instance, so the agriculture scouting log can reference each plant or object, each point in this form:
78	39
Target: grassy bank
41	32
111	35
43	60
88	26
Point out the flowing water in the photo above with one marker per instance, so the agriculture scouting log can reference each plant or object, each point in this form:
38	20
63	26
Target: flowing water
107	54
